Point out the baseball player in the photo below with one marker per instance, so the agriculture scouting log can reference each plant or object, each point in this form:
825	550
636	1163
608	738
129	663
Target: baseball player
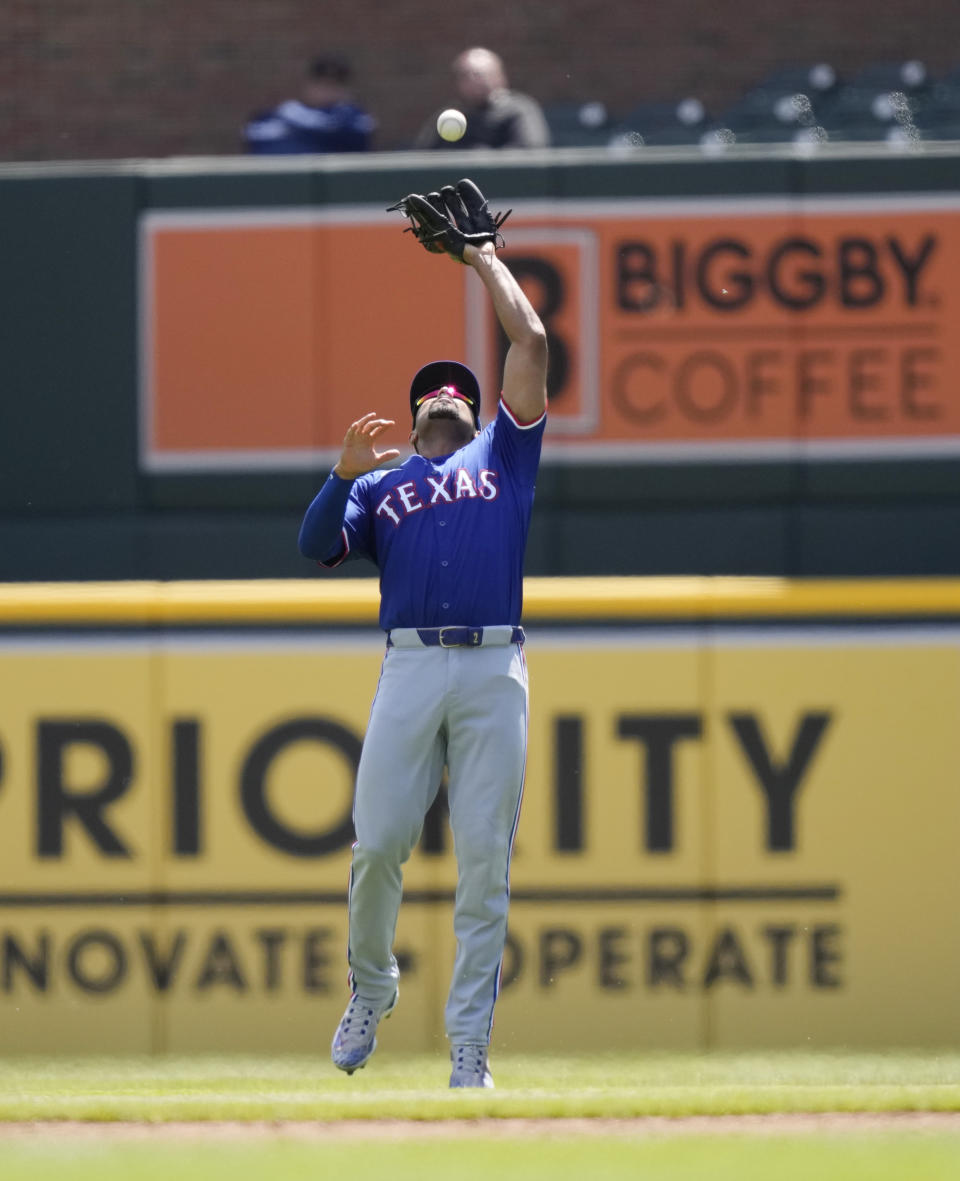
447	530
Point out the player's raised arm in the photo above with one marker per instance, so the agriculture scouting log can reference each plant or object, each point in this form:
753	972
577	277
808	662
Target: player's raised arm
457	221
525	369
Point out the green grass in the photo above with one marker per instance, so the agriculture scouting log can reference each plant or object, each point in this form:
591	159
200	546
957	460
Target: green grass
915	1157
414	1087
275	1092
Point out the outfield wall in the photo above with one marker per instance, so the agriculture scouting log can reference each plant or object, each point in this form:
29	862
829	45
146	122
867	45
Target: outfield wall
739	827
753	358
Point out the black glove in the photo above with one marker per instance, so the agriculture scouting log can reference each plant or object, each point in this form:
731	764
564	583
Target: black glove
456	217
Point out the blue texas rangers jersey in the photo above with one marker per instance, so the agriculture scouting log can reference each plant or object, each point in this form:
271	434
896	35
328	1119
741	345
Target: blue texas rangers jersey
448	534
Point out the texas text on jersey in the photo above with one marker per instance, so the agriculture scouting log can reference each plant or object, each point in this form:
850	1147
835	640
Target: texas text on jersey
437	568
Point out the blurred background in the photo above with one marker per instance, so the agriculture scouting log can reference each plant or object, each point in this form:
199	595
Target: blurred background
116	115
109	79
741	227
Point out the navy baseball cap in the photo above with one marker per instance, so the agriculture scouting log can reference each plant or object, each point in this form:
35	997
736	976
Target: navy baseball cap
439	373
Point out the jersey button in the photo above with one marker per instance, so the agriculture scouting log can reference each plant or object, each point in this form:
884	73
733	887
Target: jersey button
446	606
442	522
444	563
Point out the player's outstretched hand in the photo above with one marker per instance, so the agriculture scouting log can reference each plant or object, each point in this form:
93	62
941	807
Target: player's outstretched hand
359	453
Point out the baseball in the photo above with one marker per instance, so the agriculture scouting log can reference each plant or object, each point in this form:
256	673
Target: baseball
451	124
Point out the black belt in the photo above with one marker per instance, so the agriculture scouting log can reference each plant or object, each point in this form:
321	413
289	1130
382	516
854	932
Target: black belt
454	636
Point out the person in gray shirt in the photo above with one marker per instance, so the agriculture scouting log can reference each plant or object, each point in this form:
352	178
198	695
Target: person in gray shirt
497	117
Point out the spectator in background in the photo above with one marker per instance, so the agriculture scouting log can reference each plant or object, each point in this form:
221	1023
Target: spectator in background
323	119
497	117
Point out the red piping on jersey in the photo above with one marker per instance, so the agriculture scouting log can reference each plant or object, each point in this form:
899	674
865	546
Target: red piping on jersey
517	421
342	558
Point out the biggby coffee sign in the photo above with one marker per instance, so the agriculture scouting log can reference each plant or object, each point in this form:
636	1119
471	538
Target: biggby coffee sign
686	329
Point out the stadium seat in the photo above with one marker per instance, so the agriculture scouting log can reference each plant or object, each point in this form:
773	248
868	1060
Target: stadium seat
580	124
911	76
661	124
881	102
785	106
937	114
818	81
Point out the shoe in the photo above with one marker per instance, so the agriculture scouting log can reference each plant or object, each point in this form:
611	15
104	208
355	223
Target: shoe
356	1036
470	1067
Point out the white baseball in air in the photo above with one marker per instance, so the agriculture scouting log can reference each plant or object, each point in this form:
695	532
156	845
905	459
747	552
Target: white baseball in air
451	124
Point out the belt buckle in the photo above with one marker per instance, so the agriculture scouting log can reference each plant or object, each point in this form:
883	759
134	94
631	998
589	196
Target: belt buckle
473	637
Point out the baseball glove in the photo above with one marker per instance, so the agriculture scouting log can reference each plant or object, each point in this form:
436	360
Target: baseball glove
457	216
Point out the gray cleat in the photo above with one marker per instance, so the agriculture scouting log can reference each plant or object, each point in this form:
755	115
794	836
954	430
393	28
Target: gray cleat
470	1067
356	1036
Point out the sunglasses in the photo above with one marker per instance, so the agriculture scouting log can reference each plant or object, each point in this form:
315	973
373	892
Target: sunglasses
450	390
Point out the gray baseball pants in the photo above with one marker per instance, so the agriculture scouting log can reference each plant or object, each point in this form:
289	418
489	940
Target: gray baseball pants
466	708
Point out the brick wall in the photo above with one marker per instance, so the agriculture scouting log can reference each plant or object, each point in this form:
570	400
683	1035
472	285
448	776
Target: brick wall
83	79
